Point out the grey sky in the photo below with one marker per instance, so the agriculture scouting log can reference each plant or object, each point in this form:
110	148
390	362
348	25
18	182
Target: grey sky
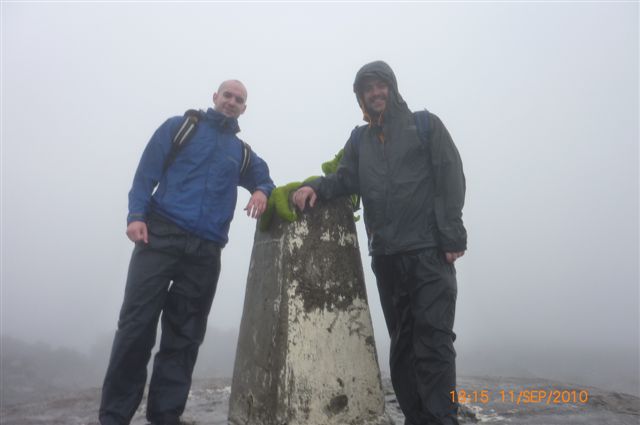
541	99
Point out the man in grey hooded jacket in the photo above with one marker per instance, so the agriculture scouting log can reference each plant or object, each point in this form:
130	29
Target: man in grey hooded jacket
413	193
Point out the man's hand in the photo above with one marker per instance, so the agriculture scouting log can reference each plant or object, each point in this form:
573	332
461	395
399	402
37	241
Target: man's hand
137	231
301	195
453	256
257	204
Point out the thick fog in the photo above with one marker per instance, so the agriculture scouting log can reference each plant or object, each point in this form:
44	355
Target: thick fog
541	99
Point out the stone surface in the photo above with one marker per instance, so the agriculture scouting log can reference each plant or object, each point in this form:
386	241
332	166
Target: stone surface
306	351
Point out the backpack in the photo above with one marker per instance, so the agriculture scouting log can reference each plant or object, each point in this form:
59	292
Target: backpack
184	133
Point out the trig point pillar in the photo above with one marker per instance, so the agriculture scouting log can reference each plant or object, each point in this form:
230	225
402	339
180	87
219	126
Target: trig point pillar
306	353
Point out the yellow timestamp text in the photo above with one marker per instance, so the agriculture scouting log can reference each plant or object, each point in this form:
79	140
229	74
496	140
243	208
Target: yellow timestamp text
527	396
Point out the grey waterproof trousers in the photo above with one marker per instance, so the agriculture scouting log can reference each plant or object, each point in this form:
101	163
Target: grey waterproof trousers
176	273
418	292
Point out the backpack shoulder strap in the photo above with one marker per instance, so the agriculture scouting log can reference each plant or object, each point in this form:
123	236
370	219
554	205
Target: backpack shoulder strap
246	157
422	125
182	136
191	118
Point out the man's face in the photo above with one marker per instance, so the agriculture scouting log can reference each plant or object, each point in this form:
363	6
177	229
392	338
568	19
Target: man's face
375	93
230	99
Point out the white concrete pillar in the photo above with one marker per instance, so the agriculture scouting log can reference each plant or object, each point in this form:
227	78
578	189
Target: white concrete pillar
306	352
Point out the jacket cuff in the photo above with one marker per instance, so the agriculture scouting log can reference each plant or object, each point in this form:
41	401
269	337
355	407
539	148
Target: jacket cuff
451	245
264	189
136	217
315	185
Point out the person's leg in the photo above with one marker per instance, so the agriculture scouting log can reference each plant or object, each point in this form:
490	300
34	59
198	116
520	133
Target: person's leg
433	293
382	266
150	271
184	323
397	312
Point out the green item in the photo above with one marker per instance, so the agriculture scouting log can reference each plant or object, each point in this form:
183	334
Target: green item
279	199
330	167
279	203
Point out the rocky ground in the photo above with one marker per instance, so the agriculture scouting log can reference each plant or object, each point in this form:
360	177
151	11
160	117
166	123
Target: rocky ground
487	400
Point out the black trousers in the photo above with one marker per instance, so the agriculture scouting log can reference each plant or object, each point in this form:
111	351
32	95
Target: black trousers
175	274
418	294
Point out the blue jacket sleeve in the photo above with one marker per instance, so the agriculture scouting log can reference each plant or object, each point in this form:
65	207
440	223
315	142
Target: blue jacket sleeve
257	176
149	171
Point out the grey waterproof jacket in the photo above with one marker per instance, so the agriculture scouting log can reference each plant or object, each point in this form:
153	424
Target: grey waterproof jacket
412	191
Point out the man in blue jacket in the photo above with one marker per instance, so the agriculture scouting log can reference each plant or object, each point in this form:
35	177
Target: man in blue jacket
179	220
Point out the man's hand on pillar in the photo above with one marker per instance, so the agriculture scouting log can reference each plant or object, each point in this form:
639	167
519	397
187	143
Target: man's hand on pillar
303	194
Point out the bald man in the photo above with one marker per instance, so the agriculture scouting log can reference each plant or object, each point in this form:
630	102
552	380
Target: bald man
179	217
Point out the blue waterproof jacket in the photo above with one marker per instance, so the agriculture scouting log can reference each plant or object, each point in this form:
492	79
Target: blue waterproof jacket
198	192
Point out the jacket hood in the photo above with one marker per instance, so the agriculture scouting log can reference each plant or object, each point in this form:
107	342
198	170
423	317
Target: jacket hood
383	71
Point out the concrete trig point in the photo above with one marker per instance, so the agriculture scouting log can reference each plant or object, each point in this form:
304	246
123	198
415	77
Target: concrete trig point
306	353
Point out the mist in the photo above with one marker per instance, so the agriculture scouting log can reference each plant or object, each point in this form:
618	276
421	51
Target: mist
540	98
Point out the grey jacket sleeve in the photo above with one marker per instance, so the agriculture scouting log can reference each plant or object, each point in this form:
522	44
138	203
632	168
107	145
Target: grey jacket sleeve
450	187
345	180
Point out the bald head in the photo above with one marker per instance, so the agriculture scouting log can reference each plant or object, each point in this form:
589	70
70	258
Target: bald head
230	99
234	83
